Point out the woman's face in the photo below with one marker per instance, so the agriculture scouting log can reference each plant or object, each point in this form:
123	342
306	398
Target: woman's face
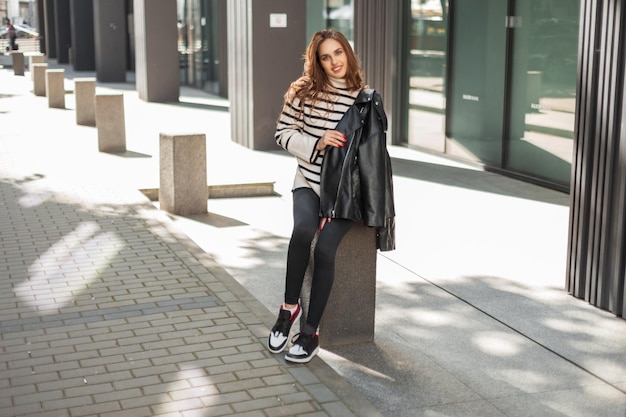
333	58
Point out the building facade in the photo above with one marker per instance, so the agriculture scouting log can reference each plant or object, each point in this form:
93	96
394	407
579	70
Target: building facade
490	82
19	11
531	89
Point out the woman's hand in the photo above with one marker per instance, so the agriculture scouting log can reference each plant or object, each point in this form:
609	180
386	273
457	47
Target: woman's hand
323	221
332	138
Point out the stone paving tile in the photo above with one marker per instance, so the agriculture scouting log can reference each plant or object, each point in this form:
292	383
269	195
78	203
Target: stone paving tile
94	344
106	310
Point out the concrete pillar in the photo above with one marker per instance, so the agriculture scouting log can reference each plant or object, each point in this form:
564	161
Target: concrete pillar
55	88
50	36
262	33
377	54
156	50
110	123
350	313
183	174
39	79
18	63
85	93
41	24
110	37
81	16
63	30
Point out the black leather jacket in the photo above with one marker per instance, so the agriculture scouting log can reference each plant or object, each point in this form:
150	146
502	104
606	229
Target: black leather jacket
356	179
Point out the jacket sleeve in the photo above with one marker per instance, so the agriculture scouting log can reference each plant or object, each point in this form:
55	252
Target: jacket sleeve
374	166
386	235
377	178
290	133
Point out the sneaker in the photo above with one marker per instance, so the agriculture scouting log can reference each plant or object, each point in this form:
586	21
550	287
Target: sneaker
279	336
304	348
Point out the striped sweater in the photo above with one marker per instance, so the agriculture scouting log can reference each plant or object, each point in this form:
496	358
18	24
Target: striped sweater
298	132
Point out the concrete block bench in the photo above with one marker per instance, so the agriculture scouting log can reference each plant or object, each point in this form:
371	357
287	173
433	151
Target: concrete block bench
18	63
85	94
183	173
39	79
110	122
350	313
55	88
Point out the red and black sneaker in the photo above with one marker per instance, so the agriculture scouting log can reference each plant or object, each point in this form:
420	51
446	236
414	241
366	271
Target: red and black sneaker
304	348
279	336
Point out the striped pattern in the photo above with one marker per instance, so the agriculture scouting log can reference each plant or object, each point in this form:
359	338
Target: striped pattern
299	131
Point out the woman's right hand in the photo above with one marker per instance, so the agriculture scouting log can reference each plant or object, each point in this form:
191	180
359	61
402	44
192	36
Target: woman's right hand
332	138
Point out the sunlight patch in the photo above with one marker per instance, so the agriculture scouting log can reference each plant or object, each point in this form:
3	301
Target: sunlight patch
356	366
435	318
497	344
35	198
68	267
190	389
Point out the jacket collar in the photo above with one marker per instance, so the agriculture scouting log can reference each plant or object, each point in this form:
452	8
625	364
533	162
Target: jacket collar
364	96
355	117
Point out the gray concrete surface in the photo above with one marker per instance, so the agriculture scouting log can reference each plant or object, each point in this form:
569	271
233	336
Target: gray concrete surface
471	315
106	307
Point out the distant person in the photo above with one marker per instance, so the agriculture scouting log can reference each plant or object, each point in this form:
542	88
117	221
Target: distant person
328	115
12	36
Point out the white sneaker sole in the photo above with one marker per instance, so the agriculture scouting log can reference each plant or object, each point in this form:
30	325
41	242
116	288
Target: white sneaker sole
302	359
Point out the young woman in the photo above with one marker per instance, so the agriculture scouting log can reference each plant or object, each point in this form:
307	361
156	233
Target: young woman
313	106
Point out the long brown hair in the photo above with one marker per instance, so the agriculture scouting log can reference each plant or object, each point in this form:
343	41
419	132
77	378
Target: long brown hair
314	81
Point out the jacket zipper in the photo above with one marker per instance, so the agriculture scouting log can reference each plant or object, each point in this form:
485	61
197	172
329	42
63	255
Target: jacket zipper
343	163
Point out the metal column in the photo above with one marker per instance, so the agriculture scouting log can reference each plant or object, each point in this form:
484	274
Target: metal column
597	231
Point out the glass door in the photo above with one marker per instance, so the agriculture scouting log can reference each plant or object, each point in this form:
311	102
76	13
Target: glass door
477	85
201	49
544	53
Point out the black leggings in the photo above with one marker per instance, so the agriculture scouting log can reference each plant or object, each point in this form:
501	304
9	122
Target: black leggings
306	222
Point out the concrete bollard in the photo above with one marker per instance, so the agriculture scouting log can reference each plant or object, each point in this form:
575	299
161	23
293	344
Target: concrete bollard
85	94
350	313
183	186
55	88
39	79
110	123
35	58
18	63
533	91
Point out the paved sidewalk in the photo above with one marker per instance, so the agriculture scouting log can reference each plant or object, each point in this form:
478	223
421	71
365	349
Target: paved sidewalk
107	309
112	307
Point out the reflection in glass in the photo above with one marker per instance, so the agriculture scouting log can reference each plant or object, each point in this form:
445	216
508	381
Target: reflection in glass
339	16
543	88
198	44
427	58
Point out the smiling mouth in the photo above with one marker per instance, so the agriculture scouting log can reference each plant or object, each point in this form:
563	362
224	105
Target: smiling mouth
337	69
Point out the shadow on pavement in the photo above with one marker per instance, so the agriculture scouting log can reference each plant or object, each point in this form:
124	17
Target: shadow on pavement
476	180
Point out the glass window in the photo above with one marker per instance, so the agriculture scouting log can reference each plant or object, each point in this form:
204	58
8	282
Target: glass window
427	41
200	49
543	88
339	15
336	14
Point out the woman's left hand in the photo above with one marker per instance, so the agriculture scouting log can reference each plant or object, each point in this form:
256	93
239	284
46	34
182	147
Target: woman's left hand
332	138
323	222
